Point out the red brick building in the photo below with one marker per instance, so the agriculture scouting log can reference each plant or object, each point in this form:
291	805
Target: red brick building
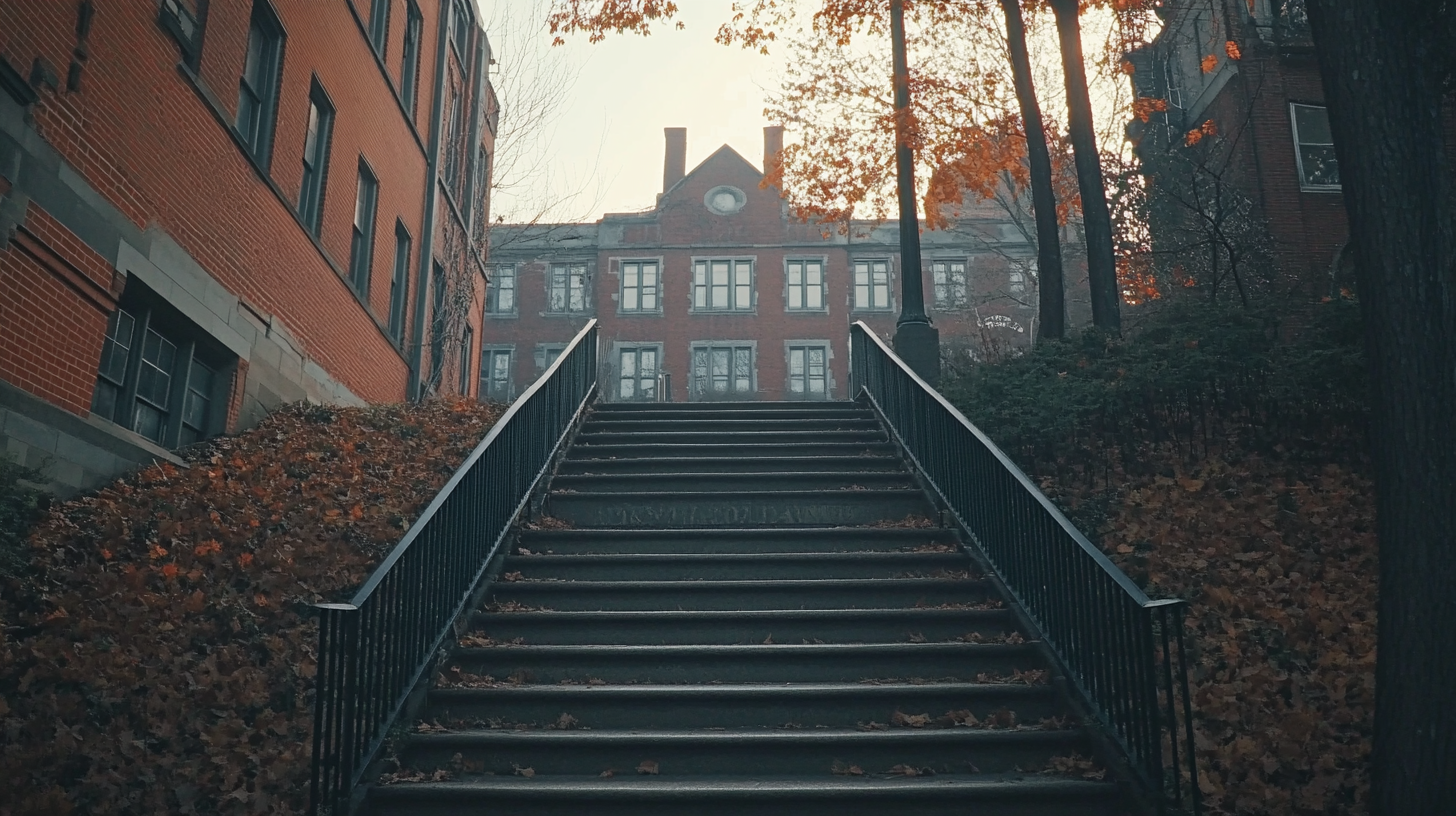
1269	121
212	207
717	292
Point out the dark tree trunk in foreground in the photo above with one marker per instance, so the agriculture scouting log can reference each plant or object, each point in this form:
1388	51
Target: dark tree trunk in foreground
1383	64
1051	304
1101	266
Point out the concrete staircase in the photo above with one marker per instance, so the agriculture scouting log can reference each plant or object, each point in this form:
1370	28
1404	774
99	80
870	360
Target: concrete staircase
743	609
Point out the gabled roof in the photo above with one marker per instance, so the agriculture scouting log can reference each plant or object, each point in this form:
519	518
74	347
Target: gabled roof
732	154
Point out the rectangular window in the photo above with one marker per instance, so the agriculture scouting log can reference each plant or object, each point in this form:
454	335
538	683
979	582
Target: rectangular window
154	386
467	345
379	25
637	373
115	352
197	404
1314	148
949	278
722	286
808	375
399	283
722	371
806	286
567	288
546	354
460	21
500	295
1017	284
495	374
438	325
258	86
361	248
639	286
871	285
409	68
453	146
315	158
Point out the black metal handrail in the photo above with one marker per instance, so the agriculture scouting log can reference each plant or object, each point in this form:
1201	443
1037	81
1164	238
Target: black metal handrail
375	649
1124	653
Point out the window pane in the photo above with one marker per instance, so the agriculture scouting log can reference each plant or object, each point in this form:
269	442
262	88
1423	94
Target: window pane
796	274
629	300
149	422
1320	164
742	370
796	361
629	362
1313	125
119	328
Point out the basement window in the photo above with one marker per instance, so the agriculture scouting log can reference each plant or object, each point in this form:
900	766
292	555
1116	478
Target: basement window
1314	148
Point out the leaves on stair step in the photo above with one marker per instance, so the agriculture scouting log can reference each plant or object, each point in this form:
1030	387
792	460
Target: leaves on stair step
459	764
565	722
432	727
455	677
910	770
768	641
481	641
1029	677
873	726
1075	765
929	548
608	773
904	720
1000	718
841	769
514	606
911	521
648	767
916	637
960	717
548	523
512	576
523	551
526	772
410	775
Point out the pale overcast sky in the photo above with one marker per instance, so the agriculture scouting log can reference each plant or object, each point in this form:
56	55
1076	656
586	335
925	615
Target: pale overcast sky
608	140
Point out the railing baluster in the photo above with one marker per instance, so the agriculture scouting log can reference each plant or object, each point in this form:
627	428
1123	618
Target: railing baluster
1096	620
375	649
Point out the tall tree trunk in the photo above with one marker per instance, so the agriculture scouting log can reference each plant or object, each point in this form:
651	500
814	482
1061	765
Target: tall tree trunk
1383	69
1096	220
1051	303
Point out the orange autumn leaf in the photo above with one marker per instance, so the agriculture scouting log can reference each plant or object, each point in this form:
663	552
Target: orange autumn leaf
105	554
156	551
207	547
245	560
1208	128
356	512
1208	63
169	571
1193	137
1128	68
1232	49
1144	107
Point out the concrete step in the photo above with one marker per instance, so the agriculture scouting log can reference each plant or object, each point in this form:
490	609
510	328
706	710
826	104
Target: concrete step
591	438
715	424
737	566
839	593
835	705
795	508
779	751
703	480
718	448
736	540
738	626
741	464
628	793
727	408
758	663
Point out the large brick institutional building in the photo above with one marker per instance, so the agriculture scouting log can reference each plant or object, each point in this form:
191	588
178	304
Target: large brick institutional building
717	292
211	207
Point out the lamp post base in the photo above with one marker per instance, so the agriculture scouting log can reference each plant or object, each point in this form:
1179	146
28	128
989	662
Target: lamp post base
918	344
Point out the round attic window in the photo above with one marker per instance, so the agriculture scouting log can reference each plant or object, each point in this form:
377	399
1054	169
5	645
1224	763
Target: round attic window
725	200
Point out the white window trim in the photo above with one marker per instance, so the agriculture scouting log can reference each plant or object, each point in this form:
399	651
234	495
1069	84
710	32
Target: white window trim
620	264
1305	186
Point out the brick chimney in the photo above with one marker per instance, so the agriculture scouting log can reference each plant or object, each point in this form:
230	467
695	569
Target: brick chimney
675	161
773	145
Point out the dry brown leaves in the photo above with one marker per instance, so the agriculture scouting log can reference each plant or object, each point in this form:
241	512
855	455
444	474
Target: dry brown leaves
1278	558
163	660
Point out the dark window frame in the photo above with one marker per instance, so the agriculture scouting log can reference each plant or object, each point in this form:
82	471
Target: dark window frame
314	186
704	285
461	20
491	387
467	347
260	104
1302	145
567	271
379	25
500	274
803	288
806	376
409	70
399	281
361	243
643	386
866	267
702	379
640	290
950	292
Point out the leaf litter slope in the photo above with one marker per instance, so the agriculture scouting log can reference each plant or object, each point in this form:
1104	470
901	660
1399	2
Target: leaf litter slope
160	659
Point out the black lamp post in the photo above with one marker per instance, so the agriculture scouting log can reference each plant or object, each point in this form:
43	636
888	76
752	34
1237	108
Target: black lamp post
916	341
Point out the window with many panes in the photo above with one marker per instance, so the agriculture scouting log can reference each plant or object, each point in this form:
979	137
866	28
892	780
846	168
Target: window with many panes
805	283
1314	146
315	158
361	245
379	24
399	282
639	287
409	68
1017	282
871	285
258	86
460	22
637	372
949	278
156	378
808	371
720	371
566	288
495	373
500	293
723	286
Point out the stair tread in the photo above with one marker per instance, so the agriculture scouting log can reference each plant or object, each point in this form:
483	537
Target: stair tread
751	690
667	650
750	583
715	558
761	735
927	613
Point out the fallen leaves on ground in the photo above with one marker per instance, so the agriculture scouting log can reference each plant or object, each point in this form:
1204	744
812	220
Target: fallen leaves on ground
648	766
162	658
1276	554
